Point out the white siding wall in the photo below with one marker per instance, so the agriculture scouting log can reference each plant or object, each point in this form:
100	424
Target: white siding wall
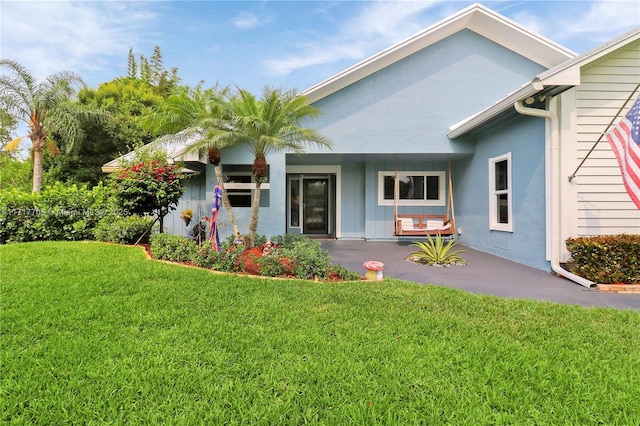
603	204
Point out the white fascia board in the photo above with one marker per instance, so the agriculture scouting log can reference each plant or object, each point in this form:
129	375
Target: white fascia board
494	110
518	39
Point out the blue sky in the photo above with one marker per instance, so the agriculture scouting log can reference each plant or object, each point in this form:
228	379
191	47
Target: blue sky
292	44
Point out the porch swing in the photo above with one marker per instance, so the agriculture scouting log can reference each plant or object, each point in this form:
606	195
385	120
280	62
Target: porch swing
423	224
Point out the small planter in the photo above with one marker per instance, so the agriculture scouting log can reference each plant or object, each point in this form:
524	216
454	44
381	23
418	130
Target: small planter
186	216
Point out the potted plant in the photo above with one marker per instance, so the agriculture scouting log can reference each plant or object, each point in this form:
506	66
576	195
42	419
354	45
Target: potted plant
187	215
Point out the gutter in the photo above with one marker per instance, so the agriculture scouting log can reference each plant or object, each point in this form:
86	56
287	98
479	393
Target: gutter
552	190
531	88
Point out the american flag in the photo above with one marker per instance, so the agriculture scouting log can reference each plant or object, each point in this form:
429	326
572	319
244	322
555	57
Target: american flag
625	142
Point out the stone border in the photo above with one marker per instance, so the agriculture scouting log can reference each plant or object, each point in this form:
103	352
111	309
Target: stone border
620	288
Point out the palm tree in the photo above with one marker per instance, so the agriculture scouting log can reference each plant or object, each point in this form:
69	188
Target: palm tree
194	117
270	124
45	107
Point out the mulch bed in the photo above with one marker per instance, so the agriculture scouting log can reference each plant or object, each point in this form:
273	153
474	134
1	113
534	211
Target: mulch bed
250	265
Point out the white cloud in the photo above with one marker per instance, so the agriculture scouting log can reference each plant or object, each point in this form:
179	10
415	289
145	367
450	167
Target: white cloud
389	20
602	17
47	37
245	21
378	25
314	55
583	24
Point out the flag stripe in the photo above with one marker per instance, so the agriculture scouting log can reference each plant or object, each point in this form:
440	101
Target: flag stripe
623	139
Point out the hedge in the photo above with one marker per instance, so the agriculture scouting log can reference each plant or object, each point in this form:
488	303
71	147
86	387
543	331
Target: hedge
606	259
59	212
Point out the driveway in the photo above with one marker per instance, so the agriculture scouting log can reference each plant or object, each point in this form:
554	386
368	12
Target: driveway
483	274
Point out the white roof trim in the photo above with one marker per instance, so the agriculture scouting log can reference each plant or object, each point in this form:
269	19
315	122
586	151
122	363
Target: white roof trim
175	148
476	18
499	107
564	74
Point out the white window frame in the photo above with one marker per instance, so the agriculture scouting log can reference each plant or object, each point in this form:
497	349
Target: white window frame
494	223
246	188
441	201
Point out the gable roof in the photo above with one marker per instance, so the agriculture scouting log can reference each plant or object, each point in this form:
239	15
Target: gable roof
552	81
476	18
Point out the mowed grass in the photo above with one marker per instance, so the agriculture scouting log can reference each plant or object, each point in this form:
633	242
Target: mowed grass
94	333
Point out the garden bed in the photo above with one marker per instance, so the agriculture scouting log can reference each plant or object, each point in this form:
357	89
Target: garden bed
249	263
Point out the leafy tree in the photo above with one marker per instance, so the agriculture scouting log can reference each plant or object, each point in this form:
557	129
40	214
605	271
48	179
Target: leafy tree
148	184
45	107
194	117
132	65
15	173
127	100
269	124
152	72
8	124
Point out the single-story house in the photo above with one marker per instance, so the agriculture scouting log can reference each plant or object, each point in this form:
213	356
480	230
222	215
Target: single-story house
475	117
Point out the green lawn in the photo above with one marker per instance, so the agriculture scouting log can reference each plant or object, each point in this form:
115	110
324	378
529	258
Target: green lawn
94	333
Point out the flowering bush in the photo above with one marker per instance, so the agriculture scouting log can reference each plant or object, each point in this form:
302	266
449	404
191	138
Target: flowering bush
149	185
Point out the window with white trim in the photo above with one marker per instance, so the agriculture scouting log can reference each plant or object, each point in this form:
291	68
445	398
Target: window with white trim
500	199
240	185
412	188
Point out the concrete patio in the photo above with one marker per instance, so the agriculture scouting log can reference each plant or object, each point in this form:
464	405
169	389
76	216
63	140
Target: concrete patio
483	274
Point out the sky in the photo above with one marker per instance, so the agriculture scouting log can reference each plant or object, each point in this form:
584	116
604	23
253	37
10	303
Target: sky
253	44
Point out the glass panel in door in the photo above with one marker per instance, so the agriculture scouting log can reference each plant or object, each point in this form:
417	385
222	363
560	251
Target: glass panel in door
316	205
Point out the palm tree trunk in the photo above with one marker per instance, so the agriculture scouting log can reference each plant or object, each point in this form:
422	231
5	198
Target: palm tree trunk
38	148
255	207
225	200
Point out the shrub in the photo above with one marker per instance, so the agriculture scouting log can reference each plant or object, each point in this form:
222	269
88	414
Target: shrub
309	260
287	241
435	252
205	256
606	259
124	230
59	212
224	261
274	265
148	184
344	274
174	248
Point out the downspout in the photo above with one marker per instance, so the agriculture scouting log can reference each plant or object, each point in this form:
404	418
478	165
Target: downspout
552	190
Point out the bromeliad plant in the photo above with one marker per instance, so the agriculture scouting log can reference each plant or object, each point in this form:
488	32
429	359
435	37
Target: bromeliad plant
435	252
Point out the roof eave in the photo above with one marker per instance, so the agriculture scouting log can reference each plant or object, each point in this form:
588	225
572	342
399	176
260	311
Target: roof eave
494	110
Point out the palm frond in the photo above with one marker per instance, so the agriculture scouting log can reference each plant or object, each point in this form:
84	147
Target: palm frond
13	145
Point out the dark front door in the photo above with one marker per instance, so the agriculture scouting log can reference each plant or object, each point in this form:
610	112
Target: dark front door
315	202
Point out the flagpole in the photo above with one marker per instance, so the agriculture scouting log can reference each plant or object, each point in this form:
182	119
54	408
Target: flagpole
395	198
453	214
604	133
